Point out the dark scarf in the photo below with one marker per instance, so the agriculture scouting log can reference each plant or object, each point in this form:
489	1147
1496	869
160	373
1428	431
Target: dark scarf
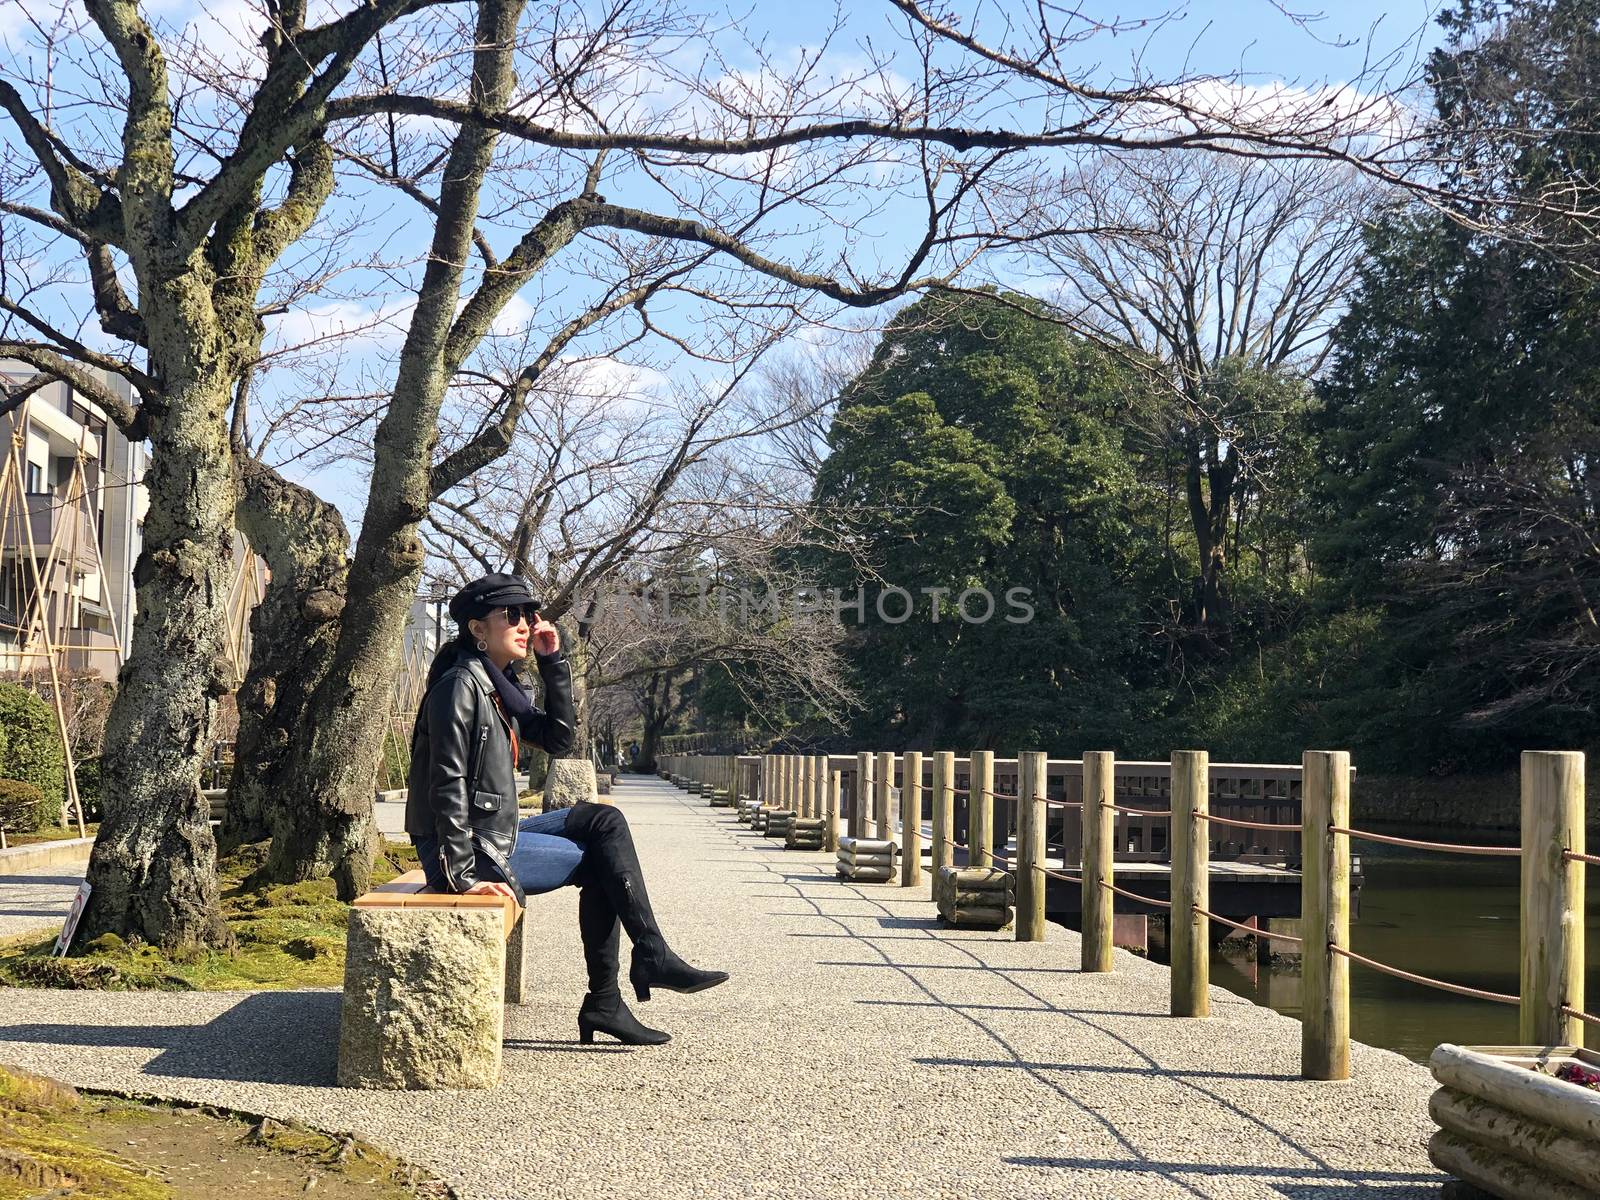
512	698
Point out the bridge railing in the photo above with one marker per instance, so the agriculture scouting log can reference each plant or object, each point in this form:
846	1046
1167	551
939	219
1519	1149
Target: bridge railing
1073	820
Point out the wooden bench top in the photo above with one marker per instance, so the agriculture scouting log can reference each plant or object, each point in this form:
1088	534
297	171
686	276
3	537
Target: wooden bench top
411	890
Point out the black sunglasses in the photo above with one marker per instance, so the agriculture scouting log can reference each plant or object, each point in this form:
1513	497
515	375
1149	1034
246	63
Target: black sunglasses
516	612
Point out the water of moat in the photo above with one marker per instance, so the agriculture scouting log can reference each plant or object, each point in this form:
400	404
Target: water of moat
1448	916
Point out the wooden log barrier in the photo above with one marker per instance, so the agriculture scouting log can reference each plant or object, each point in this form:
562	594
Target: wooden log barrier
975	897
980	809
865	860
830	806
861	803
805	833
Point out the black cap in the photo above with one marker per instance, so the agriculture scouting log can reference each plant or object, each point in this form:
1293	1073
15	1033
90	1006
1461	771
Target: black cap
482	596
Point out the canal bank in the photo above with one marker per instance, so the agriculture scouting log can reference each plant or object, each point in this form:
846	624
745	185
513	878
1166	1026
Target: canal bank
1451	917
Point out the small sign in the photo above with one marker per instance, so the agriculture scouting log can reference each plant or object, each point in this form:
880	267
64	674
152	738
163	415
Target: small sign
71	927
894	794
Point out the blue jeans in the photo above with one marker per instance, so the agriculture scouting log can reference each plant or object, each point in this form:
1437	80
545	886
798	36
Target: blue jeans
543	860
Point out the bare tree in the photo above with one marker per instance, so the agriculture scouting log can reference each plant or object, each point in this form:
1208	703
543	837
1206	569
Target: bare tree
1203	268
194	192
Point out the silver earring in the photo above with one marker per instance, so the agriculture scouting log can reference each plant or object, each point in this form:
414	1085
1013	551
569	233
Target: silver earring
482	645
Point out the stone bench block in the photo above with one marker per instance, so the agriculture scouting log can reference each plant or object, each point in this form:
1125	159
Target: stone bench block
423	998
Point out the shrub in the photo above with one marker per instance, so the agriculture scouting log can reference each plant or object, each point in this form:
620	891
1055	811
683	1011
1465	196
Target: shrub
87	773
395	764
33	748
20	805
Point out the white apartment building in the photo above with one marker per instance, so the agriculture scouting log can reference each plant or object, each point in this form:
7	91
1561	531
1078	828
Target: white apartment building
88	609
89	591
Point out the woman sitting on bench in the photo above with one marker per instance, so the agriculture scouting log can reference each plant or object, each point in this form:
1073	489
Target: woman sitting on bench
461	810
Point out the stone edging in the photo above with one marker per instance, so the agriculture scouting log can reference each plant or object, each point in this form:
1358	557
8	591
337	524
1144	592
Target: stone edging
14	859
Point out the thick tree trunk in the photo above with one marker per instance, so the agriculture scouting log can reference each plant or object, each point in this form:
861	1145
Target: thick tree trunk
1210	512
294	633
578	655
337	757
153	868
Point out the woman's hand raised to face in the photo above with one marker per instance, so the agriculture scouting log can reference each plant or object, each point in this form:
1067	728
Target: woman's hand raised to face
546	637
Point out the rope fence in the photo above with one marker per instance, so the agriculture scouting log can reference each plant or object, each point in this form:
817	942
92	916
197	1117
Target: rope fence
1255	929
1140	812
1237	824
1438	847
1551	880
1061	875
1111	887
1459	989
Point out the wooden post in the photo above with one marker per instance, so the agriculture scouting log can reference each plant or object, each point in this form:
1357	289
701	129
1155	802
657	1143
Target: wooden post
944	809
883	780
911	818
1030	845
830	807
980	810
1552	897
1324	915
764	791
862	807
807	783
1190	933
1099	777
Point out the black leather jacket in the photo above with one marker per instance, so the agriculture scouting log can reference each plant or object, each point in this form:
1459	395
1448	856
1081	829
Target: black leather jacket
462	789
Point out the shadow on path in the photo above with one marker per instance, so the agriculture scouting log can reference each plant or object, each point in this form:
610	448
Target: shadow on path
1290	1180
267	1037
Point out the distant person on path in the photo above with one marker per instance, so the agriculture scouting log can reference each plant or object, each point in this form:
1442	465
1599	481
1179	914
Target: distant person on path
461	809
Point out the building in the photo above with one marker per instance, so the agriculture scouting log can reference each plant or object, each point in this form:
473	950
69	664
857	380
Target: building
82	532
85	538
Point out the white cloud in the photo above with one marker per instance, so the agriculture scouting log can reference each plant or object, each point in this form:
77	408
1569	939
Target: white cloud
513	319
381	325
1325	114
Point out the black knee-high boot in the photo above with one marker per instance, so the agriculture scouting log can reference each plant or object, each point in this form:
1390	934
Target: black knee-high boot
603	1010
612	862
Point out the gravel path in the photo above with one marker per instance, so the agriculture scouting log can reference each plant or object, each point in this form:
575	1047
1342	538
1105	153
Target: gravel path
859	1051
38	898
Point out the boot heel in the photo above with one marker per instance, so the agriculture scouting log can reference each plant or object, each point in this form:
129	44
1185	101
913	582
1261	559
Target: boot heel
585	1033
641	991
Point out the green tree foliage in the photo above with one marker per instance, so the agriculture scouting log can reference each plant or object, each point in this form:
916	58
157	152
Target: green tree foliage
982	449
31	750
1461	421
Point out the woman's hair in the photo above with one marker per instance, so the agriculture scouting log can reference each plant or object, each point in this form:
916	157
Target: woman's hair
443	659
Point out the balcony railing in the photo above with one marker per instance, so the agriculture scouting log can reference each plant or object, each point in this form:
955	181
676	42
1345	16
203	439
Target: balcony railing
48	515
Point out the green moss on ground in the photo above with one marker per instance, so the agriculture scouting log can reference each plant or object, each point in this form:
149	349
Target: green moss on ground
42	1150
287	936
56	1141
